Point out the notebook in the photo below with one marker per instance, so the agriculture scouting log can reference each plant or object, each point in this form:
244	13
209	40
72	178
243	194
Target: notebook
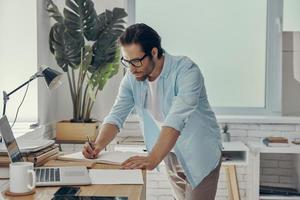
114	157
57	163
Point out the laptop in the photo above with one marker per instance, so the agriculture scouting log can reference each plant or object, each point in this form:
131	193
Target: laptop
45	176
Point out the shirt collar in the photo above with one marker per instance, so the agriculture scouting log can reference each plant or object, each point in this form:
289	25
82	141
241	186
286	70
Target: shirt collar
166	66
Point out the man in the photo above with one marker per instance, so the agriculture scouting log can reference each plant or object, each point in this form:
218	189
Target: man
179	127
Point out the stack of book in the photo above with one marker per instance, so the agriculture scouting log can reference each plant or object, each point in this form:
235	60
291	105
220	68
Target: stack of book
276	141
39	157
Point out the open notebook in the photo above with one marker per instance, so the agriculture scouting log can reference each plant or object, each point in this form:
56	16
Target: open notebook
113	157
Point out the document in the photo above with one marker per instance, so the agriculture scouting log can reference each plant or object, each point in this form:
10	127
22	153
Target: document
116	176
113	157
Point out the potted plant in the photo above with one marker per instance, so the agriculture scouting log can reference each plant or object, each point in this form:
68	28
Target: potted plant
85	47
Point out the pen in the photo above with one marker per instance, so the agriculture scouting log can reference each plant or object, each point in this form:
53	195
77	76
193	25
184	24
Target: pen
90	143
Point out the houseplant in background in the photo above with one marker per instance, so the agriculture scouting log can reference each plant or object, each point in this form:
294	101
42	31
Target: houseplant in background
225	134
84	45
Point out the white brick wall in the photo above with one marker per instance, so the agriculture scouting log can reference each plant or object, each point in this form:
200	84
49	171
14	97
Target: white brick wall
276	169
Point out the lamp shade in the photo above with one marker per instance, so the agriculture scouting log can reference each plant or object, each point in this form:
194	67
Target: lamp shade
52	77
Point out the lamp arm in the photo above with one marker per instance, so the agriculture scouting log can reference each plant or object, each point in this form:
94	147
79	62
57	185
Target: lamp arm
6	95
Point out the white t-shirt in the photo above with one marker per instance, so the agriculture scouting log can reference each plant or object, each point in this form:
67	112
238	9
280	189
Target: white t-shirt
153	104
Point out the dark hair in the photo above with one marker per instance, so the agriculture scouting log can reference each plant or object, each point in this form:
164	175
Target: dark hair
144	35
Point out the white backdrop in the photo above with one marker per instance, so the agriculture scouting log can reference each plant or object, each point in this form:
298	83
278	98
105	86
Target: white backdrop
18	56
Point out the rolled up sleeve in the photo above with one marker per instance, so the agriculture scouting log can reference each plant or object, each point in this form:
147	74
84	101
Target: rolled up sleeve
123	104
188	86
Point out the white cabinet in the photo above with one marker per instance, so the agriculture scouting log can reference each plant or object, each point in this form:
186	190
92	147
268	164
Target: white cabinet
257	149
236	151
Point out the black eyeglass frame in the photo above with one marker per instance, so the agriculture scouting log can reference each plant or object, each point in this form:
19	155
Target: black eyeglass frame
130	62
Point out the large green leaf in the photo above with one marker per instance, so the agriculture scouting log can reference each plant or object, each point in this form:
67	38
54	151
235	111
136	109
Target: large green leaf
64	47
104	73
112	26
57	46
54	12
87	57
104	50
73	45
81	17
112	21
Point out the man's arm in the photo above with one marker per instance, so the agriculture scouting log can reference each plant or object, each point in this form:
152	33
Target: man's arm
166	141
107	133
123	105
164	144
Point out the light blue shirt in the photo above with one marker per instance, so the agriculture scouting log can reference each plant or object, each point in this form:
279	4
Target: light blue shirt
185	108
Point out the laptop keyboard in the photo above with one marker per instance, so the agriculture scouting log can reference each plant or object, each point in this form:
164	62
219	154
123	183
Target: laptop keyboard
47	174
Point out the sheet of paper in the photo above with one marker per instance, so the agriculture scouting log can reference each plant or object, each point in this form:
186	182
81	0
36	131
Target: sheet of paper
114	157
116	176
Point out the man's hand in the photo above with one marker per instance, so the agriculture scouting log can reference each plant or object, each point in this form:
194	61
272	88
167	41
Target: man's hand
90	152
106	135
139	162
165	143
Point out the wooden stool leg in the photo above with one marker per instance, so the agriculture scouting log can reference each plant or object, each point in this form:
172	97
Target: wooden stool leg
232	183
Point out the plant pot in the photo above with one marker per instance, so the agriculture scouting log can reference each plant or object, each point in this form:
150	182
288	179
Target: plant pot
76	132
225	137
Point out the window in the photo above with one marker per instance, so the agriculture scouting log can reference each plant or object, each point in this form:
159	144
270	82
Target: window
291	15
18	56
231	41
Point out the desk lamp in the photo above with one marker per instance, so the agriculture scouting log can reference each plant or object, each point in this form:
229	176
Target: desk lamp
52	78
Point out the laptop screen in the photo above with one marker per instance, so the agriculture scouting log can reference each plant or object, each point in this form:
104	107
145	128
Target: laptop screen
10	141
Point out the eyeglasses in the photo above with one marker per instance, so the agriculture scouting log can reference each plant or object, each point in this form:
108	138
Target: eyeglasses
136	62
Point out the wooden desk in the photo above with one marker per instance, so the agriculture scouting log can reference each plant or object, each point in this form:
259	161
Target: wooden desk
133	192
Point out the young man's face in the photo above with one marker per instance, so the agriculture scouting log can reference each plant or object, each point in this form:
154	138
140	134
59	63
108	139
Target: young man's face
134	52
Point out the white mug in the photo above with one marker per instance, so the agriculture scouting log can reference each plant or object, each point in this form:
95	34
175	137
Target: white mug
22	177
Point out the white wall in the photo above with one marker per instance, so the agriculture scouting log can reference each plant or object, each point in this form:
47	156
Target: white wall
56	105
18	56
47	100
